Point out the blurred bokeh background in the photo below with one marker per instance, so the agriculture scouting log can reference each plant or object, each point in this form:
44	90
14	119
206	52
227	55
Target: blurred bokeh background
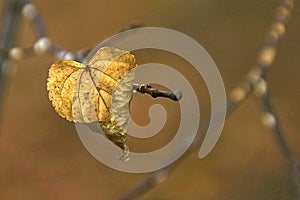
42	157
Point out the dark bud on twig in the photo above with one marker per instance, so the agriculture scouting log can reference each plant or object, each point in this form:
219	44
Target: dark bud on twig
175	95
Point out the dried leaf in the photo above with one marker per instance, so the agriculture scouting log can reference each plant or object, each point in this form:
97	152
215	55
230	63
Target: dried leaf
98	92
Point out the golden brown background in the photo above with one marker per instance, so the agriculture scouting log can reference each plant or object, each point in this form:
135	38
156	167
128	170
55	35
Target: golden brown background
42	157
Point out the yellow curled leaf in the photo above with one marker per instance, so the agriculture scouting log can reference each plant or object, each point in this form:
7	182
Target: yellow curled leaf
98	92
60	85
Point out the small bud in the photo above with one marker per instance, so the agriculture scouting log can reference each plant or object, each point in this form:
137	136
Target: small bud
64	55
254	75
260	88
238	94
279	28
268	119
267	56
283	13
29	11
60	55
69	56
16	53
42	45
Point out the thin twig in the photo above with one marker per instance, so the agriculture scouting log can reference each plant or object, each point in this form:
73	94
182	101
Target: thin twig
261	90
271	120
9	24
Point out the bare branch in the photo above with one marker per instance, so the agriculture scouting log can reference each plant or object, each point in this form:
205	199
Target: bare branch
9	24
271	120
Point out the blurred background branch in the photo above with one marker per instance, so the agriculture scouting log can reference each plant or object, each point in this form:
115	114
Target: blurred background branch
9	23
